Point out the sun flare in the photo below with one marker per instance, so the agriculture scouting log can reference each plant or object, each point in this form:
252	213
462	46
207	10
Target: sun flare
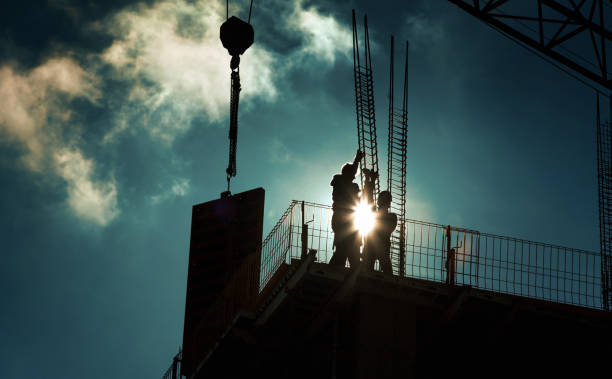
364	217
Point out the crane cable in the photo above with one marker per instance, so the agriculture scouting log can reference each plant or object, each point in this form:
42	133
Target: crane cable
233	130
234	101
227	10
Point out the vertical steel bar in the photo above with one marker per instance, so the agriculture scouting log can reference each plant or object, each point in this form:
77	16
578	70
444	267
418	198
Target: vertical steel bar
602	39
541	26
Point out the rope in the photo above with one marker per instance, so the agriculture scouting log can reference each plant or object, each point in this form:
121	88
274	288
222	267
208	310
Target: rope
250	8
227	10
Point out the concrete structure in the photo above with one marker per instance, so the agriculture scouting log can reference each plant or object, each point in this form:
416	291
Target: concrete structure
309	319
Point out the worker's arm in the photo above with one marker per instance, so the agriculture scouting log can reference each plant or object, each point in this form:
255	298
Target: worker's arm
355	163
358	157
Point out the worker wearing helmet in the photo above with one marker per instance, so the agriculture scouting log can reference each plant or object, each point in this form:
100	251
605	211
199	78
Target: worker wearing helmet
378	243
345	196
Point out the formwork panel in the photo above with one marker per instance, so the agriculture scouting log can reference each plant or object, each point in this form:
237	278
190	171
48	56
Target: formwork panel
224	232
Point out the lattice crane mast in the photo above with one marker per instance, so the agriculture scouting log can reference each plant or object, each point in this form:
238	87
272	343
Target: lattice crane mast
364	103
548	28
396	167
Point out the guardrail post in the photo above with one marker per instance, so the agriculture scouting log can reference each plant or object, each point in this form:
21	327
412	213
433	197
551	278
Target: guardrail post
450	259
175	368
304	251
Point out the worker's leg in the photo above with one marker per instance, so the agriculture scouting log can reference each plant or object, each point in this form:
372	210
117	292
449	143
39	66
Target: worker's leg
341	228
337	259
385	264
368	257
339	256
354	241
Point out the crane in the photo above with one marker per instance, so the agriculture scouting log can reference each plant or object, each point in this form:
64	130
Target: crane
236	36
547	32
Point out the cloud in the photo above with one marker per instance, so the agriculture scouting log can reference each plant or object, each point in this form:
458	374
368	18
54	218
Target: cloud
180	187
422	28
278	151
29	101
34	112
172	53
172	69
92	201
425	34
172	56
324	37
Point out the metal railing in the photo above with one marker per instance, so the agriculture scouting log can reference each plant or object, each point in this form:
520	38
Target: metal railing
174	371
274	248
439	253
454	255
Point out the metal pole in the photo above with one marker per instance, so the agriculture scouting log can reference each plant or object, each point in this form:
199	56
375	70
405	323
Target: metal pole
450	259
175	368
304	252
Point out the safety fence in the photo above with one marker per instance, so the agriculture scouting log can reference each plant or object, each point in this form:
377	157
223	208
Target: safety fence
174	371
453	255
440	253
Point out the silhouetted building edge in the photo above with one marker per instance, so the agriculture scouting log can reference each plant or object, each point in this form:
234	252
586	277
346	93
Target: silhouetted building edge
223	273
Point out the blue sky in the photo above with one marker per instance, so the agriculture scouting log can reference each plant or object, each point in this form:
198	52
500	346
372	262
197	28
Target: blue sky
113	123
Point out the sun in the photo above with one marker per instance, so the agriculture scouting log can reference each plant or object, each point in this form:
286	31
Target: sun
364	217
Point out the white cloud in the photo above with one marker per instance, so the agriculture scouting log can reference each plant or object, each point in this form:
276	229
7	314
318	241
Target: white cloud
189	68
180	187
90	200
172	53
325	38
176	69
33	113
30	100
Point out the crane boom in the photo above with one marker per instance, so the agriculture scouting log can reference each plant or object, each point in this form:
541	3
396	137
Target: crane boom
548	27
547	37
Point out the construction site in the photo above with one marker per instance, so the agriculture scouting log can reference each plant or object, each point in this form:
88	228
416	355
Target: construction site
456	300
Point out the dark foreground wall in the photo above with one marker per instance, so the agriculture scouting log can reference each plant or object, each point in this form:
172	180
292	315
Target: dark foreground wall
327	322
225	235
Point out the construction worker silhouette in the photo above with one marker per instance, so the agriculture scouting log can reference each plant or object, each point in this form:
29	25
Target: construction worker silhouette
345	196
367	195
378	241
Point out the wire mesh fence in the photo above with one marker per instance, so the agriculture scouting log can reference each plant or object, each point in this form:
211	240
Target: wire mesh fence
453	255
174	371
276	245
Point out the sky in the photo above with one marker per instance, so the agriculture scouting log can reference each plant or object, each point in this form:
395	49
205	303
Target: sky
114	122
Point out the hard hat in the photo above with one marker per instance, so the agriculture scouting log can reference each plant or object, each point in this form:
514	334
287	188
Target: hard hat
347	169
